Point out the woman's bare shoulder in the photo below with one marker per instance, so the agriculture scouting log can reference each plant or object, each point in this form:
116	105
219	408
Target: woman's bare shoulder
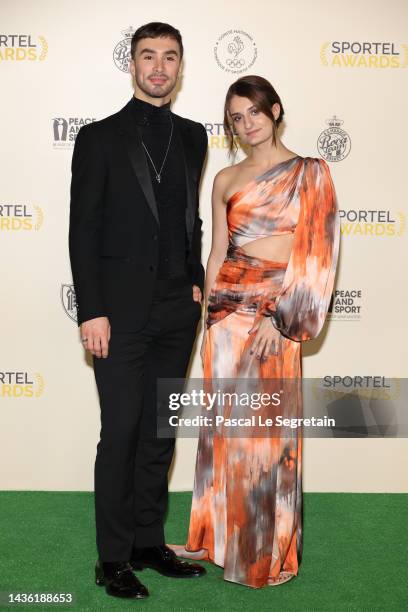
224	174
226	177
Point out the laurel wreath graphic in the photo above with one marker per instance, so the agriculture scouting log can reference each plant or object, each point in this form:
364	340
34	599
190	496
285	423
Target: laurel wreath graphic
40	384
323	57
44	48
316	388
39	217
403	223
405	62
397	384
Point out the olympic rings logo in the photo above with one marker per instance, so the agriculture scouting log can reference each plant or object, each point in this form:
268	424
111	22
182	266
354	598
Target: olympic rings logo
235	63
235	51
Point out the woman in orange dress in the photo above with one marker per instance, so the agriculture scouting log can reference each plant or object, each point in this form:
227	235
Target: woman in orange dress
270	276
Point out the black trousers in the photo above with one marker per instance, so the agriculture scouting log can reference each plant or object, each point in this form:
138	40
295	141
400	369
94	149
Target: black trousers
132	463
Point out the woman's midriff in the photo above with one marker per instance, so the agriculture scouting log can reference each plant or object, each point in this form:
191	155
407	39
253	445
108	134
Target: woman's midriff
243	281
276	248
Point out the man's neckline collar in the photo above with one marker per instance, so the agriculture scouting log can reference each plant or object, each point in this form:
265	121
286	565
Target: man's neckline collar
147	107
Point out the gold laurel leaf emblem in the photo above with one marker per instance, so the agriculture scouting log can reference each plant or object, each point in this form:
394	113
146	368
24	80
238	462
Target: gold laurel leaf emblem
405	61
316	388
44	48
39	217
402	223
397	388
323	57
40	384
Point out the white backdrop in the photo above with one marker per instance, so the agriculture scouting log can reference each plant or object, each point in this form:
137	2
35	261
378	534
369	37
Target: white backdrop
341	71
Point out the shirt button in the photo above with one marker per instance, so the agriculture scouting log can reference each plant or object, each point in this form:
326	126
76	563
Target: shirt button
154	236
151	268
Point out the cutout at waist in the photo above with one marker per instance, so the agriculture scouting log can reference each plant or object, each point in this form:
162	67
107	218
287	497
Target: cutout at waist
272	248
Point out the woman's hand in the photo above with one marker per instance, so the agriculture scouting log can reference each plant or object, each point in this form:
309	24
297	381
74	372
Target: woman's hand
264	339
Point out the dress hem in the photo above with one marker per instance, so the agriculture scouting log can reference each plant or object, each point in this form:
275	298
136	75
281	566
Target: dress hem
190	554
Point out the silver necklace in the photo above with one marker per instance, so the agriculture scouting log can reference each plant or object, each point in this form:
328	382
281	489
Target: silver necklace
158	174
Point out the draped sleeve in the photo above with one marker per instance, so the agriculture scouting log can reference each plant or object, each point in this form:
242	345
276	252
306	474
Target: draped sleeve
301	306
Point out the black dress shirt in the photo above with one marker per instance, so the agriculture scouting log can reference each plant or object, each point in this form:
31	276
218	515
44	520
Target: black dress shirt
155	124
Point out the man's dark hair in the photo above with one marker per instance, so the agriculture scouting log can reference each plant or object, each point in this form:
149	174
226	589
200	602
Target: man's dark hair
155	29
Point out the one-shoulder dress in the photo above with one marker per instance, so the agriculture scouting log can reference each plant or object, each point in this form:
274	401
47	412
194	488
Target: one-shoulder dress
246	511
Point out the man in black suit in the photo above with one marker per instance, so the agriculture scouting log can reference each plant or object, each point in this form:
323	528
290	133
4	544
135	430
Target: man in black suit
135	249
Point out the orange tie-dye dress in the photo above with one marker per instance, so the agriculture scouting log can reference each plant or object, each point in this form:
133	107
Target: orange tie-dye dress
246	512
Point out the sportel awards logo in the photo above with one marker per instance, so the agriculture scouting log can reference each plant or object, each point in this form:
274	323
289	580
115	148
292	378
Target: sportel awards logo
69	303
22	47
216	136
345	305
369	387
21	384
371	222
347	54
121	53
334	143
65	130
235	51
20	217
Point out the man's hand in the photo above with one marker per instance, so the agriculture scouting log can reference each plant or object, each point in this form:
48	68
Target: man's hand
197	297
95	336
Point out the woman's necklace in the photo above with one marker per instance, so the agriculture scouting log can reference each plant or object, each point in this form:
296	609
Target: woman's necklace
158	174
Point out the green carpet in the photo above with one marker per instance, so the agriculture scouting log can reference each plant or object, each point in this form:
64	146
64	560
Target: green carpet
355	557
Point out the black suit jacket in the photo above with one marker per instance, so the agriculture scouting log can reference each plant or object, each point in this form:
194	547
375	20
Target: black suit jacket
114	221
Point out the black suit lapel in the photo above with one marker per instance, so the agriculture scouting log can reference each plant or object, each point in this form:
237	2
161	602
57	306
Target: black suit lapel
133	142
187	145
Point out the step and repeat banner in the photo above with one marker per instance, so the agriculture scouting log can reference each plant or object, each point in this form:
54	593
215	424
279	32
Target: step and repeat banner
342	74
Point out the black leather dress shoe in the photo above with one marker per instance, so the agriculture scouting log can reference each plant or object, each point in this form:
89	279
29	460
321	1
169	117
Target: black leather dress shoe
119	580
164	560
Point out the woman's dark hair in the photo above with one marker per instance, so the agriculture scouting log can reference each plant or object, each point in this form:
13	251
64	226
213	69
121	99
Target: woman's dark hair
262	95
155	29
